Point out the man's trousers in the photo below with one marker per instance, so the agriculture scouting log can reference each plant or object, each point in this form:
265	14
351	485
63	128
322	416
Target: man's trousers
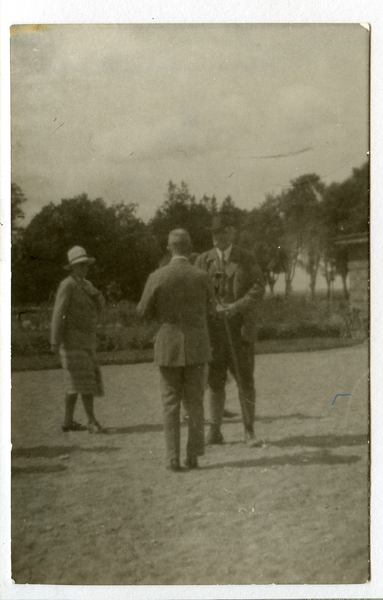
236	355
188	384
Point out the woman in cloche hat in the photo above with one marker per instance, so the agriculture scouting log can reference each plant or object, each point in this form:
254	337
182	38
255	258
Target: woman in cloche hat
74	319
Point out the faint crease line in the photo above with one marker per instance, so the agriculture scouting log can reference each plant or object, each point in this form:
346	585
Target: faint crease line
366	374
308	149
322	176
58	127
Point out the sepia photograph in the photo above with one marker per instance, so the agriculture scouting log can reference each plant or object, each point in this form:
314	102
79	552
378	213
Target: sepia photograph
190	304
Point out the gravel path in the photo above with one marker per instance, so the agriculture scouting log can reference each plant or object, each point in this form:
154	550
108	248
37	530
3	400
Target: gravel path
103	509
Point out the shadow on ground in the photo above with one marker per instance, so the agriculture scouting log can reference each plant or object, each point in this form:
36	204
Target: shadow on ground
38	469
297	460
299	416
267	419
143	428
56	451
148	428
320	441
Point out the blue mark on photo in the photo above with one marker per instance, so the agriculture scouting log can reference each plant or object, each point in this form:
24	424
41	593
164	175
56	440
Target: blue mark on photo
339	395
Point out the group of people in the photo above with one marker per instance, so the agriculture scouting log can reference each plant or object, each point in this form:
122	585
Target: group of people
206	317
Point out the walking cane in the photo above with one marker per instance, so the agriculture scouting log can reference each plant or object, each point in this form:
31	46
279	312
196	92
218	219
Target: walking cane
242	396
236	371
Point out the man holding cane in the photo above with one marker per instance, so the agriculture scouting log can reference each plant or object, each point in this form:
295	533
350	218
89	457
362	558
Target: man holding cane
238	285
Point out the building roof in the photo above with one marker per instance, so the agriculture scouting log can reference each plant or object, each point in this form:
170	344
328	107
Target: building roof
352	238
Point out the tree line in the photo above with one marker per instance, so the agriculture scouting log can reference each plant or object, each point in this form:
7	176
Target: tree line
296	227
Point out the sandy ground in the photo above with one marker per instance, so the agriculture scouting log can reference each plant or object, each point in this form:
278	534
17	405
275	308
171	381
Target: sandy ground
103	510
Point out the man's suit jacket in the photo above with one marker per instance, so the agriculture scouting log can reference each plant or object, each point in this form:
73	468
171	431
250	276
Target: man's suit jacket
239	283
179	296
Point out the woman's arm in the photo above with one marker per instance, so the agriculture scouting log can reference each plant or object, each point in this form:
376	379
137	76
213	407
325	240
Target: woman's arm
60	314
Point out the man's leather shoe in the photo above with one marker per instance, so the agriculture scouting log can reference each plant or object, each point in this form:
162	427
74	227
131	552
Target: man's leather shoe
74	426
191	462
174	465
214	436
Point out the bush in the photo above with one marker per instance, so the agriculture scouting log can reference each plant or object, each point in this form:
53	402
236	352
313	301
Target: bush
30	343
267	333
353	325
106	342
298	317
41	344
278	318
126	313
142	341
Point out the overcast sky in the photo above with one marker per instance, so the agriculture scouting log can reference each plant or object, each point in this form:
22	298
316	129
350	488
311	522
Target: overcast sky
117	110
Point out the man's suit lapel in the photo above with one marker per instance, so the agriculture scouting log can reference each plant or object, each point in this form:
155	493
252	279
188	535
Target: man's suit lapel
232	264
213	260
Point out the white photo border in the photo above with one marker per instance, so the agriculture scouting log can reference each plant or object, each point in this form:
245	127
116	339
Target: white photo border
368	12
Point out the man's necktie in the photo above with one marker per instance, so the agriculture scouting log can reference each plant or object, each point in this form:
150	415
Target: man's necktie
223	278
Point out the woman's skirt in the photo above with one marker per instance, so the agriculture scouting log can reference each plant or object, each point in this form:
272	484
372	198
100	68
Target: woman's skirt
82	372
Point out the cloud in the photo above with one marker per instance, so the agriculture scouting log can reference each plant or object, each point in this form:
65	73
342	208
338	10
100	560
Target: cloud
117	111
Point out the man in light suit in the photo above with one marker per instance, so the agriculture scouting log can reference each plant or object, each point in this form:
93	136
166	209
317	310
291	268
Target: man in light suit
180	296
238	285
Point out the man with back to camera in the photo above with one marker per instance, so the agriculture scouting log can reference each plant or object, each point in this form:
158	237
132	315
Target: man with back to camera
180	296
238	285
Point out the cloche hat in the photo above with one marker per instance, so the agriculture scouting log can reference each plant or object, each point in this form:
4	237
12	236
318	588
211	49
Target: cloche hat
77	255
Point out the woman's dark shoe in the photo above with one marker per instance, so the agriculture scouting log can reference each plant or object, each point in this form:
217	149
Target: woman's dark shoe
95	427
74	426
252	440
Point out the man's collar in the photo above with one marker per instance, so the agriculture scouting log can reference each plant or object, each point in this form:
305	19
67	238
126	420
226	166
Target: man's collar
225	253
179	258
213	254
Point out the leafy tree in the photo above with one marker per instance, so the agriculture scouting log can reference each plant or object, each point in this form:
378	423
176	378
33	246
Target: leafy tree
348	203
133	252
210	203
265	229
302	236
123	250
180	209
17	199
17	215
346	211
238	215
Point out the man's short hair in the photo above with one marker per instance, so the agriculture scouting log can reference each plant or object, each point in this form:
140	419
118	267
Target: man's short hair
179	242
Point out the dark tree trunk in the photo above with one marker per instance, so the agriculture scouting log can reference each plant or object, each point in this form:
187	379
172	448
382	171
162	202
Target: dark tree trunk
289	285
345	290
312	285
271	280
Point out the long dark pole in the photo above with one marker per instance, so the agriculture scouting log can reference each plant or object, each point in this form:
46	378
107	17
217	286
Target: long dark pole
242	398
